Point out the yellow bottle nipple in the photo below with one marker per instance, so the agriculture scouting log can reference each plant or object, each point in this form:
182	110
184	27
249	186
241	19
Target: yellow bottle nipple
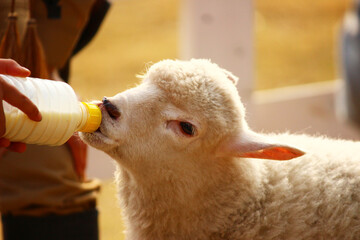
94	118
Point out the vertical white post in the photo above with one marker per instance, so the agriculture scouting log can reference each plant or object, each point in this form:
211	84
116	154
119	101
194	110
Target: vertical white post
221	30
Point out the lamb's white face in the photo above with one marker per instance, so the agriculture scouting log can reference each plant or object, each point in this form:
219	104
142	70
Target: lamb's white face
183	115
169	117
142	123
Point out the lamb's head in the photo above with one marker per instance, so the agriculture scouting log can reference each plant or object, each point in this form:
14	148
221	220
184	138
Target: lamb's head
183	113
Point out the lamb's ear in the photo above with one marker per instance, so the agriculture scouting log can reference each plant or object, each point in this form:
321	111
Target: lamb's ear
251	145
231	76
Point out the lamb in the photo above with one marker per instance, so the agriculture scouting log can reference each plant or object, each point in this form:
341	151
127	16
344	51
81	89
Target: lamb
189	167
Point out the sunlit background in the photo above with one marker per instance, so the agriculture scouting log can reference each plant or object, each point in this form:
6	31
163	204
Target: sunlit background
296	42
134	34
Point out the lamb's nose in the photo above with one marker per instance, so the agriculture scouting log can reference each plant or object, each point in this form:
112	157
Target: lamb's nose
112	110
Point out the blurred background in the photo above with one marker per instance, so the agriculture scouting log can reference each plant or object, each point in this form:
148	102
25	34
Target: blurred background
134	34
294	42
287	43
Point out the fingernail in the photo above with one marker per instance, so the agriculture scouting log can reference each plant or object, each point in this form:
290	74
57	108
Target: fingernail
26	70
39	117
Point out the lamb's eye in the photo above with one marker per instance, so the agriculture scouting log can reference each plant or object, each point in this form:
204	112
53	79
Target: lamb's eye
187	128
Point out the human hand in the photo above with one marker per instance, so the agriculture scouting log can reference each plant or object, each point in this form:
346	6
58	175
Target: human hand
14	97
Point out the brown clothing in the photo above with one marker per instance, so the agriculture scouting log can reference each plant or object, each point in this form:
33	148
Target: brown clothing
58	36
43	180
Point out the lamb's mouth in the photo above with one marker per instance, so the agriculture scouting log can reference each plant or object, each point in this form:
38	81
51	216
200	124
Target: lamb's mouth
99	134
97	139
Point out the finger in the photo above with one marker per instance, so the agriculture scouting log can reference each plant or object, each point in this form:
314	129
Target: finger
14	97
10	67
4	142
17	147
2	117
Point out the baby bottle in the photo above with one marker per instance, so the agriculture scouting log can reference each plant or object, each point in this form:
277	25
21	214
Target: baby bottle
62	114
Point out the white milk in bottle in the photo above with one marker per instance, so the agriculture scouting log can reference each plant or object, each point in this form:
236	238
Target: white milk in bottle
62	114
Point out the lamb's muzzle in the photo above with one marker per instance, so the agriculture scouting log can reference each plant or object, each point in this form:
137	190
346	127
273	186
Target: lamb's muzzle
111	109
